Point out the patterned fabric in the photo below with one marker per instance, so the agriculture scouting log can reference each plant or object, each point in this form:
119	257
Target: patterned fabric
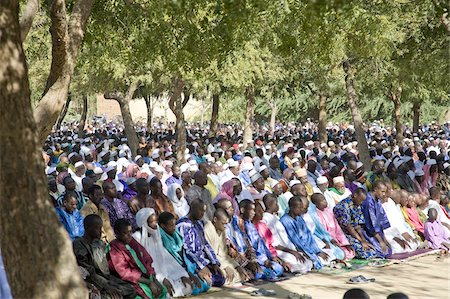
73	223
81	200
262	252
235	235
117	209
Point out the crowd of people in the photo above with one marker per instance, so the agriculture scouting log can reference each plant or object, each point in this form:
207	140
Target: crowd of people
242	210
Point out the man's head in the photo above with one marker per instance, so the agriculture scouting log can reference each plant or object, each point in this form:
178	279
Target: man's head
397	296
356	294
197	210
274	163
299	190
220	219
123	230
176	171
200	178
237	186
225	205
52	186
358	197
349	175
380	190
155	186
259	212
259	152
109	189
247	208
378	167
322	183
142	186
435	193
319	201
205	168
265	173
70	202
167	222
312	165
69	183
95	194
277	189
186	178
93	226
296	206
432	215
87	182
259	184
271	203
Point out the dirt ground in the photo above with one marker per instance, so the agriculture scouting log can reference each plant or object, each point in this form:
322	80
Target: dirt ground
427	277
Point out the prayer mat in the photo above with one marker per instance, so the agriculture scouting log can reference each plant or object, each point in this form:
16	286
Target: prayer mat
415	254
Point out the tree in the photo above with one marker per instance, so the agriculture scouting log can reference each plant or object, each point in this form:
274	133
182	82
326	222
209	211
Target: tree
83	116
49	254
214	115
176	104
63	113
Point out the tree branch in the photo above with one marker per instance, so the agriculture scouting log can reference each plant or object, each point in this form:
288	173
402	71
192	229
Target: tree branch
27	18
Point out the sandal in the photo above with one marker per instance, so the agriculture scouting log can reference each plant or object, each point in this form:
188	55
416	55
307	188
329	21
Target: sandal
298	296
360	279
263	292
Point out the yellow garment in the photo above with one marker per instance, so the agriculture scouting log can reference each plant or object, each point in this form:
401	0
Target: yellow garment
107	231
211	187
309	189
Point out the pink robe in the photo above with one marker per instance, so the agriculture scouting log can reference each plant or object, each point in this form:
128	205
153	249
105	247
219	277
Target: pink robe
435	234
330	223
414	218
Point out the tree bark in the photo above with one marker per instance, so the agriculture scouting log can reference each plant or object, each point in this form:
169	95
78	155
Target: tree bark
176	105
67	35
249	115
395	96
83	117
273	115
416	116
27	18
124	103
214	115
63	113
150	105
37	251
352	98
323	118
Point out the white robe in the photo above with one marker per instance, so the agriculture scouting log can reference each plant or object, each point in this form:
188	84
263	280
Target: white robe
312	227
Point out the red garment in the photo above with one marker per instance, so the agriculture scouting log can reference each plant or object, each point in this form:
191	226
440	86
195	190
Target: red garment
121	263
267	236
414	218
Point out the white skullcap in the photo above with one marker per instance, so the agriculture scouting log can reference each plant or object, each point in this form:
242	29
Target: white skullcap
419	172
232	163
331	143
294	182
323	145
159	168
112	164
137	158
338	179
247	166
184	167
295	160
79	164
153	164
321	180
273	183
288	195
71	155
301	172
50	170
98	170
193	168
446	165
262	168
431	162
103	153
192	162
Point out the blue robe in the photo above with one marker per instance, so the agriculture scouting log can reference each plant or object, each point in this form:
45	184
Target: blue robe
73	223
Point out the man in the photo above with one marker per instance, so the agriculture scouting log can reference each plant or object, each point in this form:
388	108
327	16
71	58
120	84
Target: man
329	222
284	247
195	245
376	174
115	207
339	192
198	191
93	206
69	184
129	260
176	176
322	187
257	186
375	218
274	168
259	160
312	173
282	201
435	202
302	175
216	236
271	268
53	190
142	198
300	235
69	216
403	179
90	251
264	172
351	219
210	186
78	175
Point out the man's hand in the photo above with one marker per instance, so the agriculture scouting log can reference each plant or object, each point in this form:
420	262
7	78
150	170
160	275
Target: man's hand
242	273
286	266
324	255
229	274
205	274
366	245
113	292
335	243
216	269
276	259
186	281
155	288
134	206
169	286
384	247
299	256
327	245
254	267
268	264
195	281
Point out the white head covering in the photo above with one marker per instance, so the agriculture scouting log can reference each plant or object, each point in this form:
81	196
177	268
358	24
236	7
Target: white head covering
180	206
294	182
273	183
322	180
142	216
338	179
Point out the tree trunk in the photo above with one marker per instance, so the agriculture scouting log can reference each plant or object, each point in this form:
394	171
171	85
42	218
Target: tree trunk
67	35
63	113
176	105
416	116
27	18
83	117
323	118
273	115
37	251
124	103
249	115
214	115
446	22
352	98
149	102
395	96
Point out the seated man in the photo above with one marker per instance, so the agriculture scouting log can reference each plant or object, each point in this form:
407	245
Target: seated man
375	218
116	208
69	216
239	247
173	243
350	217
216	236
130	262
411	214
196	247
271	268
93	206
300	235
400	236
329	222
69	185
435	233
89	251
285	249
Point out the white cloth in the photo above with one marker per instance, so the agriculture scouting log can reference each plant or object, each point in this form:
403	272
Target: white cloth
321	244
329	197
164	263
181	205
280	238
